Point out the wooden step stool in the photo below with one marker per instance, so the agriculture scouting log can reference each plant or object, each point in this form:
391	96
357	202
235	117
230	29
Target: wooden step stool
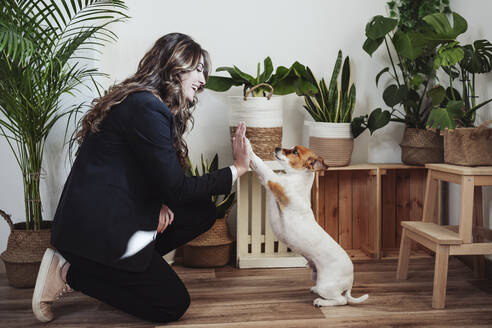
447	240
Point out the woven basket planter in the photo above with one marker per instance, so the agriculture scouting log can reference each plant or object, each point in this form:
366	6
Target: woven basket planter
468	146
420	146
25	249
332	141
263	119
210	249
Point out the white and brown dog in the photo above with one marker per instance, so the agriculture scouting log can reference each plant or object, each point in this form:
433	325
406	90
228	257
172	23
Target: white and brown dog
293	222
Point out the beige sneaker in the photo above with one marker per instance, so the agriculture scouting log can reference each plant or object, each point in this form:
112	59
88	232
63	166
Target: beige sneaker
49	285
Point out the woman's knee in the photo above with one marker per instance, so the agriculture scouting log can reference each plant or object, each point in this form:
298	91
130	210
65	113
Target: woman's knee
174	311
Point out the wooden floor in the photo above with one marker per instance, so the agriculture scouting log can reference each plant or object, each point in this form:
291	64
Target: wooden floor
229	297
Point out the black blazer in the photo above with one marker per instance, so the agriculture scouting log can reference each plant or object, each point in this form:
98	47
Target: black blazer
119	180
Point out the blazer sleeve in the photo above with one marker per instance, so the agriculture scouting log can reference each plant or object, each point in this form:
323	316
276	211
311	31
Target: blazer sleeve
147	127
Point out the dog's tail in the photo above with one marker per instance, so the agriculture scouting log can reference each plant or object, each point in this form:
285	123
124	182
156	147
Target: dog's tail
351	300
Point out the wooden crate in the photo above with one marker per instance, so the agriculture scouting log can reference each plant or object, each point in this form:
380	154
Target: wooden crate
257	246
360	206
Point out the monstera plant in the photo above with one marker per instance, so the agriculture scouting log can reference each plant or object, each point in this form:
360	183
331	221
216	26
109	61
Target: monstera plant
412	71
453	108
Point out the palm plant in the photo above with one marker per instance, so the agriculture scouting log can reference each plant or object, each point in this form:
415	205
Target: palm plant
336	103
41	43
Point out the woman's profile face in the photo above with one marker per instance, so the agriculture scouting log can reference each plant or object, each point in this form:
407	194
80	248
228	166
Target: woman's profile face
192	81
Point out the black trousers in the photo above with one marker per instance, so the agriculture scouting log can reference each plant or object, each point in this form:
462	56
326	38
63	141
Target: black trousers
156	294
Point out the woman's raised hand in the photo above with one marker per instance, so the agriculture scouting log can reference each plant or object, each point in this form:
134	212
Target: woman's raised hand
241	155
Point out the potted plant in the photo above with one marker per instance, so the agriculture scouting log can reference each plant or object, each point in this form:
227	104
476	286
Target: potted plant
261	112
411	72
40	42
454	112
331	108
212	248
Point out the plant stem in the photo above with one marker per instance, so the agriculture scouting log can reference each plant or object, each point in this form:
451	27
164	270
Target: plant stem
392	63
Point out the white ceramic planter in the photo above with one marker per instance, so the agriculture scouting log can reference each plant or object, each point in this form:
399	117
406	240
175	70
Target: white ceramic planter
332	141
263	118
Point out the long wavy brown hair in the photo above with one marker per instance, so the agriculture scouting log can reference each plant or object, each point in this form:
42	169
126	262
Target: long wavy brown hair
158	72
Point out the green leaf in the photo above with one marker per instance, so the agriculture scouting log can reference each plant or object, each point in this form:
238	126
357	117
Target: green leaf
378	119
358	125
437	94
477	57
268	70
235	76
391	96
448	55
372	45
251	80
445	118
345	77
378	76
379	26
408	45
219	83
215	164
442	27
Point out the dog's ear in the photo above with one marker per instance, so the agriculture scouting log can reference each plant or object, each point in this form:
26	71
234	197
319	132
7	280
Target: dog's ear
317	164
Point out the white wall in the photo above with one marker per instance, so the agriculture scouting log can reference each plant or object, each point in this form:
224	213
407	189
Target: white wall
242	34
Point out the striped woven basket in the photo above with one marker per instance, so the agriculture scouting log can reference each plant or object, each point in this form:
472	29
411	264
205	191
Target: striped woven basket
332	141
25	249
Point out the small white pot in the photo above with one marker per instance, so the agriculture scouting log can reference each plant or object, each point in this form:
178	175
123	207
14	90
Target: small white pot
332	141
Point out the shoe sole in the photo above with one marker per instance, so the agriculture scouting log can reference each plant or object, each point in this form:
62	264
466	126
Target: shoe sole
40	282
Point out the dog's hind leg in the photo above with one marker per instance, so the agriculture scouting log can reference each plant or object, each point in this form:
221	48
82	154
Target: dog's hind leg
339	300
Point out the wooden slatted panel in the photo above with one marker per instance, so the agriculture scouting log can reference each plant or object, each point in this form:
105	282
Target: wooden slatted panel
389	210
371	227
255	216
402	200
243	214
269	237
345	209
331	204
359	209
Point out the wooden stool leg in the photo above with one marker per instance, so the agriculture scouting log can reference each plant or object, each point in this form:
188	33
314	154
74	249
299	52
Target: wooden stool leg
479	264
404	257
440	277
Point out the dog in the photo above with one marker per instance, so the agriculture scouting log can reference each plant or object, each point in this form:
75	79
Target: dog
292	220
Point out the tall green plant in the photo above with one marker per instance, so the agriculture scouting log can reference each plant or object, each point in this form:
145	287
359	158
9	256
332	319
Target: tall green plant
337	102
41	43
411	69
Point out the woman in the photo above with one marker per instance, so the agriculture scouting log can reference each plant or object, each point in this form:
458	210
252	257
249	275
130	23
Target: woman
127	202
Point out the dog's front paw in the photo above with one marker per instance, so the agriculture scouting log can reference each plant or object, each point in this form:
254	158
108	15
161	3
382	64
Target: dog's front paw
248	146
314	290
